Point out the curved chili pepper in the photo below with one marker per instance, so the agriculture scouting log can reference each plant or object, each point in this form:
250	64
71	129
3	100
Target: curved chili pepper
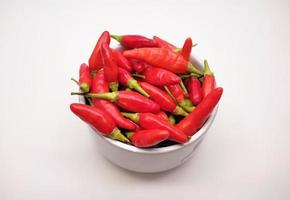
99	85
163	44
191	123
163	115
85	79
147	138
129	100
137	65
160	77
186	49
208	83
134	41
122	61
98	119
110	68
194	90
151	121
162	58
162	99
126	79
178	95
95	61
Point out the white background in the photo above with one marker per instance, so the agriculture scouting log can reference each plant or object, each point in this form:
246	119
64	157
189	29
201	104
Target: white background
47	153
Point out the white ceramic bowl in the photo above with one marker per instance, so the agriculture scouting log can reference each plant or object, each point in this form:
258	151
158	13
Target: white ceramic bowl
153	159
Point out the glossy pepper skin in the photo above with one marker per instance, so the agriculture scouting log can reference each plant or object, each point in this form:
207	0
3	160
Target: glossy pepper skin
160	77
95	61
126	79
99	85
191	123
128	100
98	119
164	44
194	90
162	99
162	58
151	121
85	79
147	138
138	65
134	41
110	67
208	83
186	49
163	115
122	61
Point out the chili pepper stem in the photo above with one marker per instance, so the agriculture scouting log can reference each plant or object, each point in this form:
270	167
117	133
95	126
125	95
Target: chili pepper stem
187	108
133	116
179	111
129	134
74	80
171	119
170	94
114	86
133	84
185	76
117	135
185	102
117	37
192	69
111	96
139	76
183	87
206	68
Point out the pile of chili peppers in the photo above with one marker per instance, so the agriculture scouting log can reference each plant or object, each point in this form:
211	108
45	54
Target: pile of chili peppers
146	92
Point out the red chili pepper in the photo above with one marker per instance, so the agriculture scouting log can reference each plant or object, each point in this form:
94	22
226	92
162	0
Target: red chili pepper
85	80
98	119
160	77
95	61
134	41
208	83
128	100
162	58
151	121
164	44
110	68
162	99
186	49
194	90
122	61
191	123
126	79
148	138
137	65
163	115
99	85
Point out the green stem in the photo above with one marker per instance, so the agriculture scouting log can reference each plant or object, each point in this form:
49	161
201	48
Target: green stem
117	37
185	76
179	111
133	84
117	135
74	80
192	69
171	119
114	86
139	76
129	134
183	87
206	68
170	94
111	96
133	116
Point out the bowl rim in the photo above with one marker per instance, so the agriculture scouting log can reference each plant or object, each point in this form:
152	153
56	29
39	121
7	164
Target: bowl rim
196	61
